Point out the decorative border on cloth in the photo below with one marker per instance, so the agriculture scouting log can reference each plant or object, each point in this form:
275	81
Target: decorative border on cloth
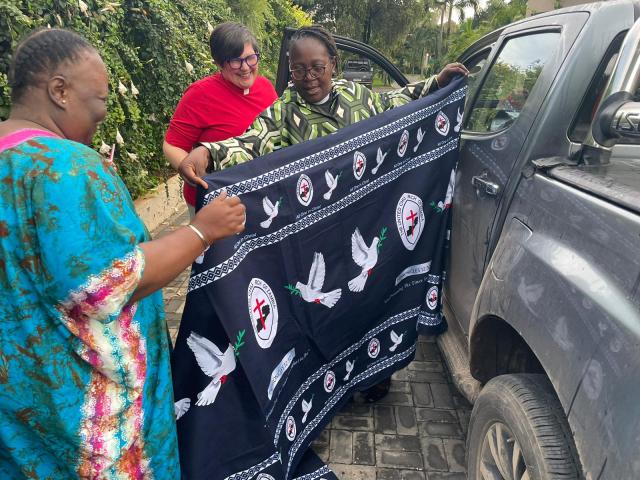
225	268
312	476
435	279
251	472
429	319
315	159
341	392
398	318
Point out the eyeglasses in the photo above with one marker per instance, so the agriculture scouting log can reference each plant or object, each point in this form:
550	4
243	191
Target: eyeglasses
251	61
314	72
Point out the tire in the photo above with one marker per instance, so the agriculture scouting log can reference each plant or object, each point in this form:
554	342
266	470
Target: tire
518	425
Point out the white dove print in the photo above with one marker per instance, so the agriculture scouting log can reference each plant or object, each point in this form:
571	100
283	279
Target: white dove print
379	159
181	407
213	363
449	196
350	366
306	407
420	137
396	339
459	120
311	292
365	257
271	210
332	183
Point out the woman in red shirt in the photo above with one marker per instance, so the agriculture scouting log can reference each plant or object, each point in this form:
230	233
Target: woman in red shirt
221	105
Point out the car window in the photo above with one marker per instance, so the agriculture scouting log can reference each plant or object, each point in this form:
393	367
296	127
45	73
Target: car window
510	81
582	122
475	64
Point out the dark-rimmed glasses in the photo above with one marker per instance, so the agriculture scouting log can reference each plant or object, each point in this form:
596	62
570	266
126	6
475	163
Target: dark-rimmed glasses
314	72
251	61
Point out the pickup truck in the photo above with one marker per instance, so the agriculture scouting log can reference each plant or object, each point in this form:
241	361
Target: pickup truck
542	295
358	70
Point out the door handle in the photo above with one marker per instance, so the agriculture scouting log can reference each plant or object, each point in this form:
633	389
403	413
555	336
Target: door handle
481	183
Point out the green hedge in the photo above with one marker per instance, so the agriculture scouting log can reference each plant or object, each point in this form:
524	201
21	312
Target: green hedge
157	47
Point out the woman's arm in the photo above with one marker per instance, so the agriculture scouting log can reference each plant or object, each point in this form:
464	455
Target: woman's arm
262	137
167	257
174	154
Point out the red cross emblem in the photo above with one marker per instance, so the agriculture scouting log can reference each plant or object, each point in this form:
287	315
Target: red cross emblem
441	123
412	216
304	190
258	308
359	165
433	296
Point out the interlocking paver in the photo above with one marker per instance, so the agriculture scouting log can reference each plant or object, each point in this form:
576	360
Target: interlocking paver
415	433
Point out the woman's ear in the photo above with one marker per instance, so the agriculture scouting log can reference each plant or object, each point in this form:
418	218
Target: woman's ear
58	91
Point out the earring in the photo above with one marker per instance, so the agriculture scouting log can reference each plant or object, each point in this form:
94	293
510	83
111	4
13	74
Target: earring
64	101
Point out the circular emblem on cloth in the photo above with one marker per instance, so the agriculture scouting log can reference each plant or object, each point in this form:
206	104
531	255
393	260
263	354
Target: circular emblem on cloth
374	348
263	312
304	190
403	143
410	219
442	123
329	381
264	476
291	428
359	165
432	298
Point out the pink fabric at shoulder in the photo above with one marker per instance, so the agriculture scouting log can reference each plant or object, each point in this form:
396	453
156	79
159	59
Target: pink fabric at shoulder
19	136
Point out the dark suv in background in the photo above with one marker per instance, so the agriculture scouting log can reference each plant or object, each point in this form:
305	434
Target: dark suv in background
358	70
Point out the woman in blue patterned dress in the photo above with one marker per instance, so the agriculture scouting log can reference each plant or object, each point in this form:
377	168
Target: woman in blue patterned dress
85	388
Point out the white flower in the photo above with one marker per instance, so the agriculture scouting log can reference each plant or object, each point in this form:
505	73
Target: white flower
132	156
119	138
104	148
209	28
189	67
83	7
134	90
121	88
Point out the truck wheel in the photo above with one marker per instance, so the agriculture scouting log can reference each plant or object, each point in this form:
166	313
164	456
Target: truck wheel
518	431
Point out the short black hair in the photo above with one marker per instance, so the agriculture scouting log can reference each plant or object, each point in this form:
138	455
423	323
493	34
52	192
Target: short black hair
228	39
319	33
41	51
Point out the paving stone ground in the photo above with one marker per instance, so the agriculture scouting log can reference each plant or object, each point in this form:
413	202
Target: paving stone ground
416	432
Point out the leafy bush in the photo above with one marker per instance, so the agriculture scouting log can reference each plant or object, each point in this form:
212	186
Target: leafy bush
153	50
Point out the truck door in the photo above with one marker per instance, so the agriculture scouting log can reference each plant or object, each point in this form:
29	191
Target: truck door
501	107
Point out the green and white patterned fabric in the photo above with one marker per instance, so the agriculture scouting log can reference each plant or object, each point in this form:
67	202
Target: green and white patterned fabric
291	120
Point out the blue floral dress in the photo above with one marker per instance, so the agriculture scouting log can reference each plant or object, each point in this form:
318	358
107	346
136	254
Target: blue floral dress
85	388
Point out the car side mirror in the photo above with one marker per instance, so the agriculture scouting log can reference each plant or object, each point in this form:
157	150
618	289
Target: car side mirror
618	115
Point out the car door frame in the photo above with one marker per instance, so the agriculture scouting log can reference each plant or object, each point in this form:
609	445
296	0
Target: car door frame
496	41
343	43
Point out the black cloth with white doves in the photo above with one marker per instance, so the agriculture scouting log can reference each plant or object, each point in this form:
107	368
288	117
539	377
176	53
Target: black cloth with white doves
339	268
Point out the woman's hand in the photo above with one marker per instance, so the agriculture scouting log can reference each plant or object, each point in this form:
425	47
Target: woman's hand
166	257
449	71
194	167
223	217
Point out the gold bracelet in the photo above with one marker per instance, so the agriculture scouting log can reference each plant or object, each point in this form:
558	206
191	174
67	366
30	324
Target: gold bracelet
205	244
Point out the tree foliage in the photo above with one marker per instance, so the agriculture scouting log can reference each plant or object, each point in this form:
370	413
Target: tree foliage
152	48
408	31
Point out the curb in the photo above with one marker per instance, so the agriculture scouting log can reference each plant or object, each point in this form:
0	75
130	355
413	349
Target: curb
161	203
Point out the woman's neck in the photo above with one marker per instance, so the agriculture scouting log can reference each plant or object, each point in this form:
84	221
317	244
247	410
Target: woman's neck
22	117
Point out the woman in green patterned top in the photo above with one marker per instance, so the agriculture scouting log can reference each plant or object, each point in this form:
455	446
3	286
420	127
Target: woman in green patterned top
314	105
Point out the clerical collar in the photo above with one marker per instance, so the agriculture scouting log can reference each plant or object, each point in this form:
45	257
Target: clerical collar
324	100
